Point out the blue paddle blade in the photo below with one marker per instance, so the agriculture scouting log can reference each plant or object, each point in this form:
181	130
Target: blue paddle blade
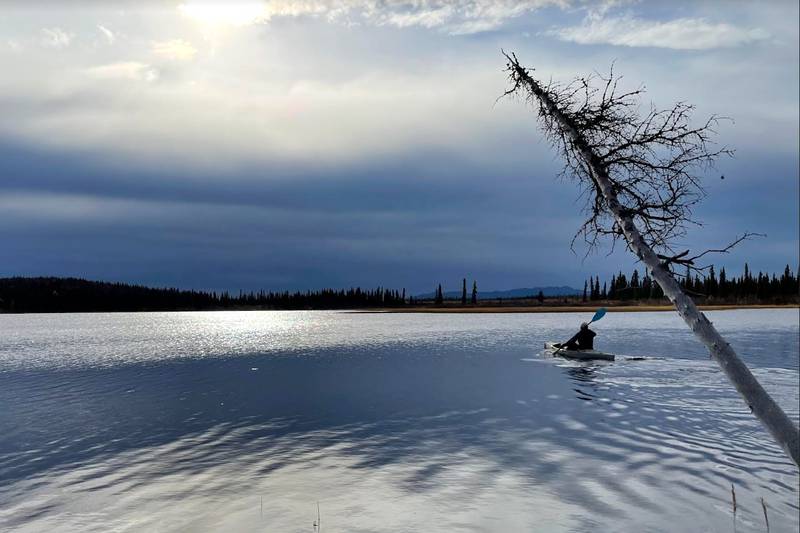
599	314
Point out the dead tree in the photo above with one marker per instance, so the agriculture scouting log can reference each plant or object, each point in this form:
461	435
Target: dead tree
640	174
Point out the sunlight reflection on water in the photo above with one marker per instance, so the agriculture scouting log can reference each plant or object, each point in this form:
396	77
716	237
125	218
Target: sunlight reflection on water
158	421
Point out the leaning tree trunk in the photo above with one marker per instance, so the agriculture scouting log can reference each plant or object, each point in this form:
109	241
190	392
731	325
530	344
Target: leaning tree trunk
761	404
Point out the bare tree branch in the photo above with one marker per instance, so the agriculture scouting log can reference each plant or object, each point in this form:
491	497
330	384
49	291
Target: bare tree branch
655	159
726	249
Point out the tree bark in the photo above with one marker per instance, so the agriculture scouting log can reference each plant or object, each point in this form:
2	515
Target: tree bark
783	430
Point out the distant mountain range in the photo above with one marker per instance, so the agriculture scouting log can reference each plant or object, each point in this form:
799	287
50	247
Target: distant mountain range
528	292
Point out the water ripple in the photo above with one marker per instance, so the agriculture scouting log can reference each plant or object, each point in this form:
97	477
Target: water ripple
389	430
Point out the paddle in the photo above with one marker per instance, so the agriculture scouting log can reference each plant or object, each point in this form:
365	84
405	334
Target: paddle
600	313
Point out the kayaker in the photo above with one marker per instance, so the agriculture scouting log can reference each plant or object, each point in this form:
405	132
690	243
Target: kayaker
583	340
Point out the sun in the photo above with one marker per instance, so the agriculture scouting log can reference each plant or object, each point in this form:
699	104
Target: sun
216	14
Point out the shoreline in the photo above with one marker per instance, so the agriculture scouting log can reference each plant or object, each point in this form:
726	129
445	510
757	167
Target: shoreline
573	308
454	309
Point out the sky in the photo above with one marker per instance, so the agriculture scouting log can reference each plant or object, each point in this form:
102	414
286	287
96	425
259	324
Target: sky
334	143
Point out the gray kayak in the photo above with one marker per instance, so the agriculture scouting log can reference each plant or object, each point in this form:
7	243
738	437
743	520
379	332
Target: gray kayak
577	354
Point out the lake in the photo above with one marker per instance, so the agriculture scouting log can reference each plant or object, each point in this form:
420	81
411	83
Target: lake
247	421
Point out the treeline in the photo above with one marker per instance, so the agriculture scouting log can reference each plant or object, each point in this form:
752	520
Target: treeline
722	288
59	295
439	297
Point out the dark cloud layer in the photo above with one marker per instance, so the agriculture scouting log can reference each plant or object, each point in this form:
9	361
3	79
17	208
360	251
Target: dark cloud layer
413	221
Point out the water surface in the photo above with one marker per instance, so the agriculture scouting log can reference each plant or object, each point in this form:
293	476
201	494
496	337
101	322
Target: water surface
243	421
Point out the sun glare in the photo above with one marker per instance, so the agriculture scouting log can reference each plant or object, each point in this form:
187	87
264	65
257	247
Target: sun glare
223	13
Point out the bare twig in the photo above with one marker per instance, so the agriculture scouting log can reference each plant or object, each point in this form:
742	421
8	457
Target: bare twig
726	249
691	262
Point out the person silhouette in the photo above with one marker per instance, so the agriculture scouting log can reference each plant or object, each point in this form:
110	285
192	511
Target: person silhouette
583	340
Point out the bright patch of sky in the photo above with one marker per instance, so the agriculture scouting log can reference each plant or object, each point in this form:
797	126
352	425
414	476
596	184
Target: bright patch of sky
359	141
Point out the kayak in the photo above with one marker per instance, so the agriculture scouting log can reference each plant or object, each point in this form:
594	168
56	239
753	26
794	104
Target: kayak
577	354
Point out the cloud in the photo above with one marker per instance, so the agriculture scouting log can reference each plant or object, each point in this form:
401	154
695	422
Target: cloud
347	226
232	13
56	38
460	17
125	70
679	34
108	34
453	16
374	152
176	49
430	18
14	45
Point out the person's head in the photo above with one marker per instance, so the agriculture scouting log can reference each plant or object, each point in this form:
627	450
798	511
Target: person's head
585	325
